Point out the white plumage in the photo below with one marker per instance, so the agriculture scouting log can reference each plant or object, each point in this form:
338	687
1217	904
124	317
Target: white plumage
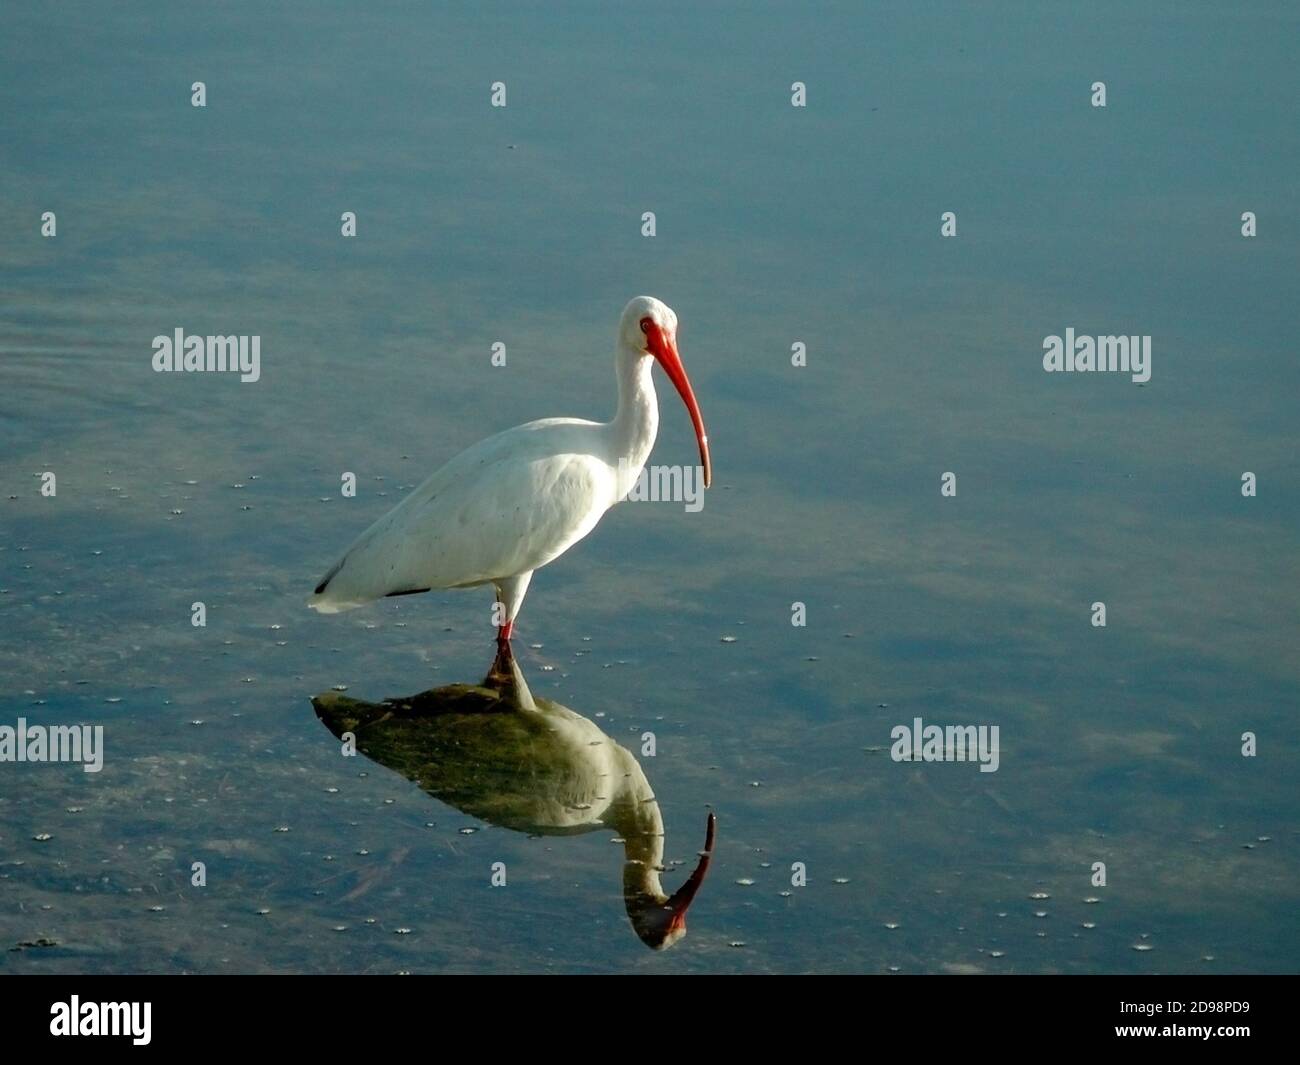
517	500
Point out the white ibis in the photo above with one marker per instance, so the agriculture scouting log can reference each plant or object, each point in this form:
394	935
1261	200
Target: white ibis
518	500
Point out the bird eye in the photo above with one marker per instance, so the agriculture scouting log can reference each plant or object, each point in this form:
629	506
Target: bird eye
645	325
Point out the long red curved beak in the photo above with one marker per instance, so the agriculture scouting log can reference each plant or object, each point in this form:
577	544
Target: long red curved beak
681	898
664	349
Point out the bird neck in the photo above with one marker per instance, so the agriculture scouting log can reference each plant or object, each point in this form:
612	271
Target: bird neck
636	422
635	815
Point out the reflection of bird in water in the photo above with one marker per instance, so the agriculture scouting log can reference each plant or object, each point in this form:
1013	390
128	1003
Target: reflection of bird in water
532	765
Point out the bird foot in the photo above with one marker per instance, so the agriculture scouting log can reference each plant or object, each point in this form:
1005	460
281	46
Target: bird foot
502	671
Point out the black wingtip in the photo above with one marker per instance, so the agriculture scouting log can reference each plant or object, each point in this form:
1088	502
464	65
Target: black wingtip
325	581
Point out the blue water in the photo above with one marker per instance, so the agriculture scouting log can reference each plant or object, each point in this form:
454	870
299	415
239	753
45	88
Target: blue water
775	225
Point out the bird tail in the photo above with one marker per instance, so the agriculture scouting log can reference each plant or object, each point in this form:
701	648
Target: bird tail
324	600
323	604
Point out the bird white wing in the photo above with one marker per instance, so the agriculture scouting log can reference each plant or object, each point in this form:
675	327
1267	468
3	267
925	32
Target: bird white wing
505	506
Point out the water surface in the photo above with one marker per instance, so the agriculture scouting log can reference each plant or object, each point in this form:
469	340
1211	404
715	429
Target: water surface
774	225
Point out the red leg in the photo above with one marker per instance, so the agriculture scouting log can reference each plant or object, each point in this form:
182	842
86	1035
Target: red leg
504	633
502	671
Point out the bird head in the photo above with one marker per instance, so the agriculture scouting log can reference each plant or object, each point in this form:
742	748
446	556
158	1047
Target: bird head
649	326
659	919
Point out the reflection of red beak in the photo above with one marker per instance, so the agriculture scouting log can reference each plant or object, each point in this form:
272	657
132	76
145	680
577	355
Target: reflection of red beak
681	899
664	349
